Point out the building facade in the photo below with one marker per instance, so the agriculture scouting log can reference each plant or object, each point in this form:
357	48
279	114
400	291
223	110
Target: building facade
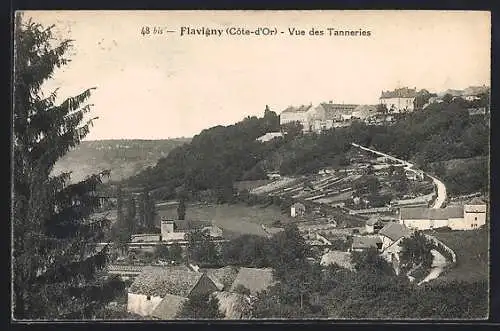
400	100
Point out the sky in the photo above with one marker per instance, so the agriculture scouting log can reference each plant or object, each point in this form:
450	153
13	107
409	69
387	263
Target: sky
161	86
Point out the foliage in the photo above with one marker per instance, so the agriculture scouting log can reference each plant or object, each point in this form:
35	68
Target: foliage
240	288
147	211
203	306
181	209
248	251
54	256
369	261
416	251
201	248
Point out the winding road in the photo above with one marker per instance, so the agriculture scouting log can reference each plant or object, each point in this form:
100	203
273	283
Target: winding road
440	187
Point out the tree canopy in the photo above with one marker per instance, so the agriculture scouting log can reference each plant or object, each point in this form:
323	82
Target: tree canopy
54	255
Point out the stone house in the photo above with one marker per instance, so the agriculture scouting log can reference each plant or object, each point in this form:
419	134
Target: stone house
399	100
161	291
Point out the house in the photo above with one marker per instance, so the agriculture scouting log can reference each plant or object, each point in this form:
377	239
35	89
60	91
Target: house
414	175
360	243
300	114
223	277
270	136
175	230
467	217
373	225
328	115
297	209
393	232
364	112
160	291
399	100
168	232
253	279
341	259
233	306
474	215
145	237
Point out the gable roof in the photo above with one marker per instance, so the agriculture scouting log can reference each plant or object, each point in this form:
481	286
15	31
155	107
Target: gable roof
233	305
476	201
394	231
364	111
160	281
423	213
254	279
187	225
403	92
169	307
224	277
362	242
334	110
300	109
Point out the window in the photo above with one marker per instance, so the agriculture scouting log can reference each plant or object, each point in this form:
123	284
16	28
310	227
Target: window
475	218
148	297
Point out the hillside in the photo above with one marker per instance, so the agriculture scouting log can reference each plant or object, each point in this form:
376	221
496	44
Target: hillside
123	157
218	157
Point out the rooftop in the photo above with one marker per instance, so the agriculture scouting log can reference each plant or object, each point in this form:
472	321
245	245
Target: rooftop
403	92
363	242
254	279
342	259
223	277
169	307
233	305
422	213
160	281
300	109
395	231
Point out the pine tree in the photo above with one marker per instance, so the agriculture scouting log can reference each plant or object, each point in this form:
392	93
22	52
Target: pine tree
181	209
201	306
131	216
54	255
119	206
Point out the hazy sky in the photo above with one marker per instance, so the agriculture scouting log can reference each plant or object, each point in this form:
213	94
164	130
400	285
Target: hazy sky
168	85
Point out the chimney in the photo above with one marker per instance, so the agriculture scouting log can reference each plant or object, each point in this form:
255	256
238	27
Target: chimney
331	101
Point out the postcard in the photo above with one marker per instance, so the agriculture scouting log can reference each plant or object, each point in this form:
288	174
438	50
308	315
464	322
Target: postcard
251	165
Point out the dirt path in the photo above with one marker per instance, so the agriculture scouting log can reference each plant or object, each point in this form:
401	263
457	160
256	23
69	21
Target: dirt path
438	265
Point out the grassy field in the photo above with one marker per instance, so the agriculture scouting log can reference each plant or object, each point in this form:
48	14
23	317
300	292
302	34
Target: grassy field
472	249
235	219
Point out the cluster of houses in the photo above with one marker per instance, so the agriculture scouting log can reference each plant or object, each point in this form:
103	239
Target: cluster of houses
327	115
160	292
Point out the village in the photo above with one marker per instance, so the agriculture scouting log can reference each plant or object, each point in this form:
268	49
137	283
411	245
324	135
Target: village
374	202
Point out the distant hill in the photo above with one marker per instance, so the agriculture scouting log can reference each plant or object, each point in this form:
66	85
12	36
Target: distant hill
123	157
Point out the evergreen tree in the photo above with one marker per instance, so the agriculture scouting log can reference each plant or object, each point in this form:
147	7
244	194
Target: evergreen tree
201	306
119	206
131	216
150	211
181	208
54	255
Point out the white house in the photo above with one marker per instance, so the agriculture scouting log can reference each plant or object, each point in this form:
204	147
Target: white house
468	217
168	232
300	114
393	232
270	136
399	100
297	209
160	291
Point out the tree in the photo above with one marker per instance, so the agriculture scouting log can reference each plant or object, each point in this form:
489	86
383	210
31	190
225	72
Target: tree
201	249
447	98
120	217
416	252
162	252
288	248
147	211
200	307
54	255
131	216
382	108
181	208
175	253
